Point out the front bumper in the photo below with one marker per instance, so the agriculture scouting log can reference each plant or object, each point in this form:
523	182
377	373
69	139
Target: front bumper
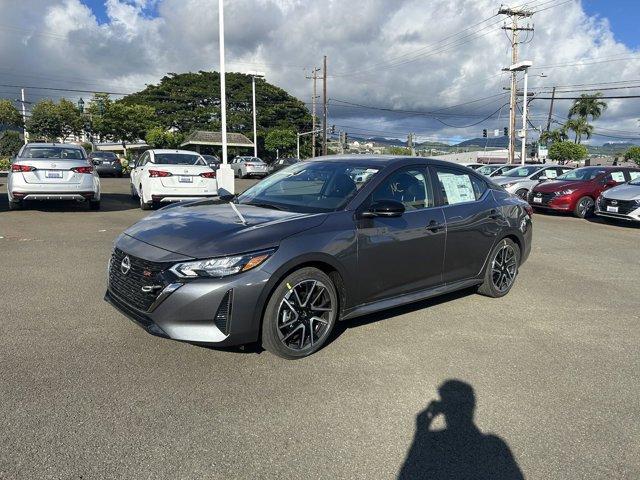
222	312
550	201
633	216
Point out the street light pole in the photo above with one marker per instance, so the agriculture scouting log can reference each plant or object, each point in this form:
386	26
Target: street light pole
525	99
24	117
255	128
224	173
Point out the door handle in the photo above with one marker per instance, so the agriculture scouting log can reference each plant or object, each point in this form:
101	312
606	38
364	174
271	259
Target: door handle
435	226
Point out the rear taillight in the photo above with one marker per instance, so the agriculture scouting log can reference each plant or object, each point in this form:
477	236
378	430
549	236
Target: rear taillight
22	168
208	174
159	173
82	169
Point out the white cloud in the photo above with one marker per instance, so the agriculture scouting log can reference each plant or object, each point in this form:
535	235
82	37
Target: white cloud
381	52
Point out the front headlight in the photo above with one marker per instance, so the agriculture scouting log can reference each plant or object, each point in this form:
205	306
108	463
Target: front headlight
568	191
221	267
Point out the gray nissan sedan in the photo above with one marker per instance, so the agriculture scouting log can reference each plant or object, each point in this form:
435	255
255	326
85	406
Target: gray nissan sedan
315	243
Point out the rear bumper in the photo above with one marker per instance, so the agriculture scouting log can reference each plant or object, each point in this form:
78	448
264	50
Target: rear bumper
50	196
110	170
162	198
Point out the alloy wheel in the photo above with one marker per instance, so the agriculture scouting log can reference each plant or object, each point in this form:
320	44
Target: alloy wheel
584	206
504	268
305	315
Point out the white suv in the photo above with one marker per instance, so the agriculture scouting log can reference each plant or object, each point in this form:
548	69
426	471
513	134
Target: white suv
161	176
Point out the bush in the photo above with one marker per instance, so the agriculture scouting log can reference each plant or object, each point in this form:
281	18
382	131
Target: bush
633	154
10	143
5	164
567	152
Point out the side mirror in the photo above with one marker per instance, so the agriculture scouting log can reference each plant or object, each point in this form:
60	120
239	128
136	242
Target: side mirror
611	183
543	178
384	208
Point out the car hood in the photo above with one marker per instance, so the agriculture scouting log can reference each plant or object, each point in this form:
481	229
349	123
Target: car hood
551	186
623	192
209	229
502	180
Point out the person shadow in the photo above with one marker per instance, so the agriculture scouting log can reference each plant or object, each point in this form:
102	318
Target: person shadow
460	451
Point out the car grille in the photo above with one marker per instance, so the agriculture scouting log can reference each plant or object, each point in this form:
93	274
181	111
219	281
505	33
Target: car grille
624	206
128	286
546	198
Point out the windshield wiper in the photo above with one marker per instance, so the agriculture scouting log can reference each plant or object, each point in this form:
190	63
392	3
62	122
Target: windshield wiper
264	205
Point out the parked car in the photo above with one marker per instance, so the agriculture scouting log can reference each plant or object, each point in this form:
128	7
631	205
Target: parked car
309	246
474	165
521	180
577	191
212	161
282	163
106	163
161	176
52	171
244	167
494	170
621	202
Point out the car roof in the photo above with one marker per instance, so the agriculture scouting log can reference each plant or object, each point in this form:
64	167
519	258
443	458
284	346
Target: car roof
382	161
168	150
62	145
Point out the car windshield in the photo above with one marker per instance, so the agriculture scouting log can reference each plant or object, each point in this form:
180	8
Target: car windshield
177	159
581	174
61	153
211	158
103	155
309	187
251	159
487	169
521	172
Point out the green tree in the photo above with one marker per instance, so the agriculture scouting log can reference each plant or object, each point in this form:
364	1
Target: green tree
393	150
567	152
557	135
9	115
588	106
98	105
283	140
45	121
158	137
580	127
10	143
633	154
71	121
126	123
191	101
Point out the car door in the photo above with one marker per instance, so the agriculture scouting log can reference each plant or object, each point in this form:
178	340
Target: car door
135	173
402	254
473	221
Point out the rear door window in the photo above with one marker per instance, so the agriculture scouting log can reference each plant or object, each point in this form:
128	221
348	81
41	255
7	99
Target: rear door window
459	187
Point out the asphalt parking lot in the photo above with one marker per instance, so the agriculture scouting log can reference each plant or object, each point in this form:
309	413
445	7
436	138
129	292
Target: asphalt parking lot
85	393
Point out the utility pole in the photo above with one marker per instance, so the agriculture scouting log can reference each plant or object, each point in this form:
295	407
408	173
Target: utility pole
525	101
410	144
24	117
314	97
553	96
515	14
324	103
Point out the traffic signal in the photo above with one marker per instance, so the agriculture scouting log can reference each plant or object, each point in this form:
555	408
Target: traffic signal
506	132
484	133
333	129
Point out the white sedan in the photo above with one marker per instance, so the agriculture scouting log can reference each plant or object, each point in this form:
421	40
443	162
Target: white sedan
162	176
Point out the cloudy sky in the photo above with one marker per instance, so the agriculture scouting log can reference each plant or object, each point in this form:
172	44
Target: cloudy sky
395	66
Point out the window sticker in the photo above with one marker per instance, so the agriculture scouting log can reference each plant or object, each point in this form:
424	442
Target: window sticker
458	188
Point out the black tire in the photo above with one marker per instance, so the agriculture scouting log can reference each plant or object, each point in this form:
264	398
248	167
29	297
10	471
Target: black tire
13	205
584	207
134	195
317	314
144	206
523	193
502	271
94	205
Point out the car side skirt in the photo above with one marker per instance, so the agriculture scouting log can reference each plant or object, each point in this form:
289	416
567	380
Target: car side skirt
406	298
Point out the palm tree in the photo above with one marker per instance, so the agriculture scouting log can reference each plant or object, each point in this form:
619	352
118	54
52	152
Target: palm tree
557	135
580	127
588	105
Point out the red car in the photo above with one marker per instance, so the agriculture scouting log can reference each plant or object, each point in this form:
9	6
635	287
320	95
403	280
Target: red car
576	191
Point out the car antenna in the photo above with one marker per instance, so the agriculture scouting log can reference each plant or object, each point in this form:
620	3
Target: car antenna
235	209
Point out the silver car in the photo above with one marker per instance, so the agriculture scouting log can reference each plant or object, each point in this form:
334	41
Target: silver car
244	167
52	171
521	180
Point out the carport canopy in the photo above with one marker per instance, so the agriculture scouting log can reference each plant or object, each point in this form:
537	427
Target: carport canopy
203	137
